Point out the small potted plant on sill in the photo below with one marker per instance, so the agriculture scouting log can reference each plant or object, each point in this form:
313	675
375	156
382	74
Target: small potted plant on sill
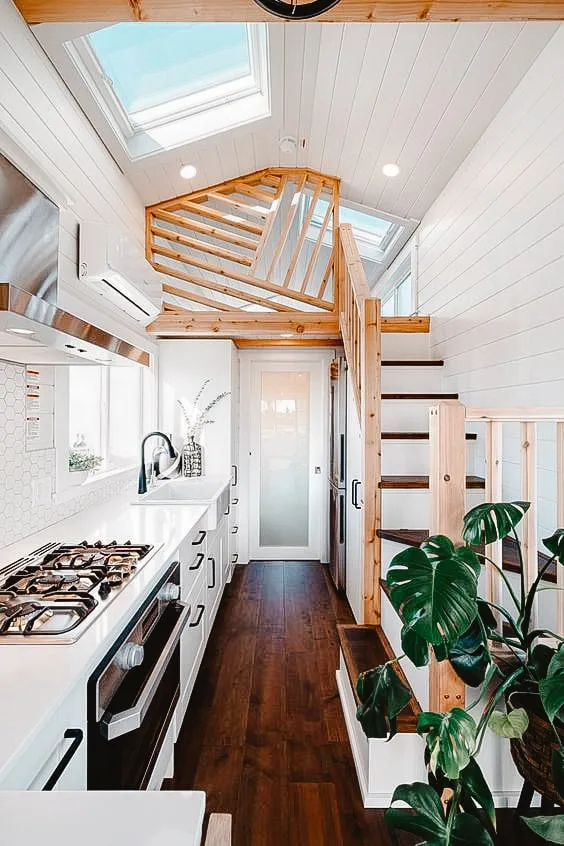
81	463
434	588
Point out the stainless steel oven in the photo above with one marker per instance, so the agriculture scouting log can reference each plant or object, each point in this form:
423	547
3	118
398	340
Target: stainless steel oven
133	692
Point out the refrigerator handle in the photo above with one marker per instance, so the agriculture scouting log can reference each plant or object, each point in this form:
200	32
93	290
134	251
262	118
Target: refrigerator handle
341	519
342	459
354	493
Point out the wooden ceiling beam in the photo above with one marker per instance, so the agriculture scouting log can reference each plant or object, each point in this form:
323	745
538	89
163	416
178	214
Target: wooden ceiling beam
220	217
372	11
250	343
201	246
192	297
242	324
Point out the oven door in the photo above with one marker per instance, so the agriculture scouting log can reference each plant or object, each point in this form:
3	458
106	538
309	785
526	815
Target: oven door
124	740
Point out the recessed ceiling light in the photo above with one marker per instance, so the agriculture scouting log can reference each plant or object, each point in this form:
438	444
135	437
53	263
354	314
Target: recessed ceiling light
390	169
22	331
188	171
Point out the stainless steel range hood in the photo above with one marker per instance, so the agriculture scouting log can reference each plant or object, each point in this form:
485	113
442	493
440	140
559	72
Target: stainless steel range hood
35	331
33	328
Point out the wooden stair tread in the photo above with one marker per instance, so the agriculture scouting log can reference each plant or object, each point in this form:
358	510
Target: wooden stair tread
418	324
417	436
365	647
405	396
415	537
422	362
422	483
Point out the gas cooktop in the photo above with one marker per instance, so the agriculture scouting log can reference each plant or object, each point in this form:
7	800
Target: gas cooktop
54	594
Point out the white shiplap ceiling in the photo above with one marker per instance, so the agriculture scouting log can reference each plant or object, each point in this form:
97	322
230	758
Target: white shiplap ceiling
358	96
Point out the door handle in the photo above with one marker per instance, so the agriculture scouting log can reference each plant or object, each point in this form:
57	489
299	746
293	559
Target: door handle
354	493
76	736
211	587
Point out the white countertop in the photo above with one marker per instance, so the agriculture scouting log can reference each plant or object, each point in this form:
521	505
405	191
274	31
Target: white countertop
124	818
36	679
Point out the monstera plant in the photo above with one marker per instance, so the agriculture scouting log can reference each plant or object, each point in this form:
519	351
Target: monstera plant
434	588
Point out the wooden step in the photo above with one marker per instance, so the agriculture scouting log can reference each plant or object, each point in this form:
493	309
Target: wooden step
417	436
422	483
365	647
415	537
400	362
402	396
406	324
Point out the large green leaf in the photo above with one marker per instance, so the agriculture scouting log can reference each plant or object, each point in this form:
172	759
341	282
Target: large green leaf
540	659
549	828
470	655
429	821
512	725
382	697
441	548
415	647
475	795
434	590
492	521
555	544
451	739
552	687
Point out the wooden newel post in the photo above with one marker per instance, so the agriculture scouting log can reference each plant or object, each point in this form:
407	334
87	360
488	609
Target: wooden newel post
447	504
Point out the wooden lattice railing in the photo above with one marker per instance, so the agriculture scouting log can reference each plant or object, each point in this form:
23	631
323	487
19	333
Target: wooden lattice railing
361	330
447	488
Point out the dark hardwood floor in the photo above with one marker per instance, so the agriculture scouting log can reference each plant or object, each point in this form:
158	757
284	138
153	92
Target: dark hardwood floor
264	734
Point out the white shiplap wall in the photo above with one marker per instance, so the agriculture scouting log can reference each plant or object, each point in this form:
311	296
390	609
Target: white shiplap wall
43	132
491	267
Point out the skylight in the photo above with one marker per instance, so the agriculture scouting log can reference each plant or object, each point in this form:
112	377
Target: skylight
158	64
161	85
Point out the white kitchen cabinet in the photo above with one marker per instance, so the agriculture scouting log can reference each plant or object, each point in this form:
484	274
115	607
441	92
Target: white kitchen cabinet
354	507
192	644
215	575
192	556
62	740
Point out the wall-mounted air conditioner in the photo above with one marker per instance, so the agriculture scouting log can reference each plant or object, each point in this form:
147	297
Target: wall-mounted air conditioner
115	268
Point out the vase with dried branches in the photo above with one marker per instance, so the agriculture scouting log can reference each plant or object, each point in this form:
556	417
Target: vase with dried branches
196	418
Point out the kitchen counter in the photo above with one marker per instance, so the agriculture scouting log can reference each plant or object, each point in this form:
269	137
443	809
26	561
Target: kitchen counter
36	679
171	818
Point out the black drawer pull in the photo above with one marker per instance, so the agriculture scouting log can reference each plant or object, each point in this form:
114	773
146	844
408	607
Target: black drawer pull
199	558
235	480
234	530
228	510
235	558
200	539
198	620
235	501
76	735
210	587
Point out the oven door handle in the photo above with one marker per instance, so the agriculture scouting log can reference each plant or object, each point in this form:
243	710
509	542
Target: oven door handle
115	725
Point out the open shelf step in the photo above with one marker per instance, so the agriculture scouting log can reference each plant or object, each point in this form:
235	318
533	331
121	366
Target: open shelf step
403	396
409	483
365	647
415	537
421	362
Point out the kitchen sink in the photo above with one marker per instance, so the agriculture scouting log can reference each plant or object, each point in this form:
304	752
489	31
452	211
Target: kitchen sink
208	490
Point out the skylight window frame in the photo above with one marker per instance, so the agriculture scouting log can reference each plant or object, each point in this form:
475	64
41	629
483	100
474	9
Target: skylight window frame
251	88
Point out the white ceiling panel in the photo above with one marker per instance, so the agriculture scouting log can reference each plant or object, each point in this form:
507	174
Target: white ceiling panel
357	96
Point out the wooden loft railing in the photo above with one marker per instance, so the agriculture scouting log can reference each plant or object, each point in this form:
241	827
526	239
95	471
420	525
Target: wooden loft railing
447	487
361	330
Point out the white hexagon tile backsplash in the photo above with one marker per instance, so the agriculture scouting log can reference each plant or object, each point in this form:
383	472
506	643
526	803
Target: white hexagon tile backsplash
19	516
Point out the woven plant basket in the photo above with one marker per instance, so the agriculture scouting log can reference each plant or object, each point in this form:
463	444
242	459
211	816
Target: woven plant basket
533	754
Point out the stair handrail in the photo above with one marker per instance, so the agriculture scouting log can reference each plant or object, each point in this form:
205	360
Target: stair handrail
361	330
447	491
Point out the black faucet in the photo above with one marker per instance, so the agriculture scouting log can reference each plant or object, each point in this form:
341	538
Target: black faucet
142	486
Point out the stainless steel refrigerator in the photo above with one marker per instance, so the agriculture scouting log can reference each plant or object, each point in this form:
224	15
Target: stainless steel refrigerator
337	471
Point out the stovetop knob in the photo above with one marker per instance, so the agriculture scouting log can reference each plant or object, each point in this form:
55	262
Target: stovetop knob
169	592
105	589
129	656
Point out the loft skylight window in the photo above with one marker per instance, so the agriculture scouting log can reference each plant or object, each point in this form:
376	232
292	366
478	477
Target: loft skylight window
161	85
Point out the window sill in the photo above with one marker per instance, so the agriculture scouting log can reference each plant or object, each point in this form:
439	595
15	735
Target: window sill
68	491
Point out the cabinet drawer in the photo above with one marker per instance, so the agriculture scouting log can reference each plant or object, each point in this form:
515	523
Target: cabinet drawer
193	560
192	645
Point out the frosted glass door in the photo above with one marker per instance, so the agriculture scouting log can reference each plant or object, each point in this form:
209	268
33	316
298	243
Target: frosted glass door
288	447
284	459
